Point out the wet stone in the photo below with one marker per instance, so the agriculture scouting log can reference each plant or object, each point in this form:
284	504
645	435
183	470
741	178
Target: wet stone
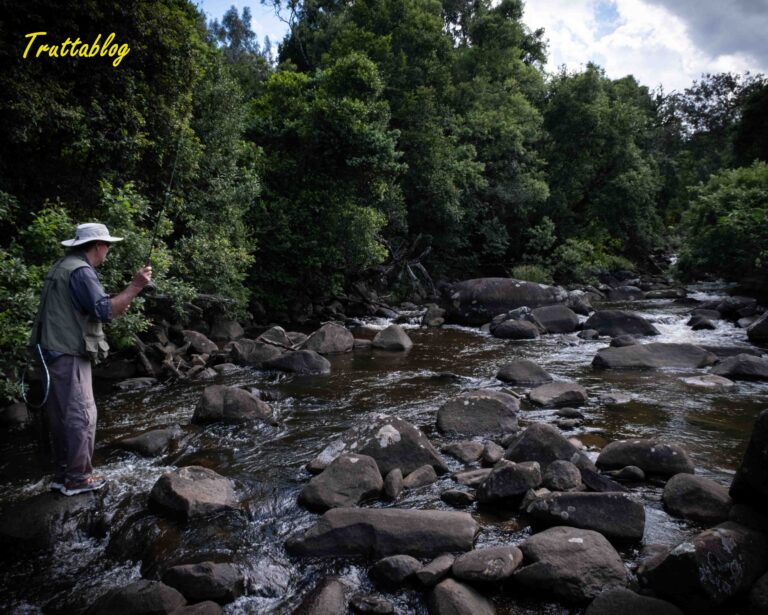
697	498
651	456
193	491
472	478
347	481
222	583
630	474
488	564
420	477
492	453
436	570
142	596
450	596
327	598
372	603
558	394
626	602
391	572
466	452
393	484
561	475
457	499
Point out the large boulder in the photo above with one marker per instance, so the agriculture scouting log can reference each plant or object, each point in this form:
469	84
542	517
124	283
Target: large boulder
703	573
488	564
454	598
327	598
572	564
392	338
557	318
392	442
626	602
15	416
435	571
225	330
222	583
391	572
750	484
142	596
347	481
192	491
757	332
331	338
515	330
152	442
697	498
509	481
479	413
524	373
555	394
199	343
653	356
619	322
543	443
304	362
475	302
254	352
231	405
615	515
362	532
742	367
649	455
276	336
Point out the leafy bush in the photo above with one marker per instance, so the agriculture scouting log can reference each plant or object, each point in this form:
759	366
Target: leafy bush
726	228
579	260
532	273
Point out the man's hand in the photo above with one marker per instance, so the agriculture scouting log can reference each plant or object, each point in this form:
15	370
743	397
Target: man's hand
143	277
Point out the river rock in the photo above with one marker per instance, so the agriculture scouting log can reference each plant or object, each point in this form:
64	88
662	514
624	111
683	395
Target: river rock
573	564
623	340
625	293
142	596
347	481
225	330
627	602
733	307
392	338
515	330
558	394
199	343
15	416
703	573
207	607
492	453
222	583
466	452
450	596
633	474
420	477
758	596
303	362
434	316
723	352
391	572
192	491
543	443
479	413
371	603
709	381
488	564
135	384
742	367
509	481
276	336
472	478
331	338
561	475
436	570
699	323
649	455
750	484
253	352
231	405
588	334
652	356
523	372
757	332
474	302
697	498
327	598
666	293
152	442
41	521
615	515
457	498
619	322
594	481
393	484
360	532
557	318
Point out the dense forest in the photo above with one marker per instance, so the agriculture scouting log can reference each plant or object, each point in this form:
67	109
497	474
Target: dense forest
381	131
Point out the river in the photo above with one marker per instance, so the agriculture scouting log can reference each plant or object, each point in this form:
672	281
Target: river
267	463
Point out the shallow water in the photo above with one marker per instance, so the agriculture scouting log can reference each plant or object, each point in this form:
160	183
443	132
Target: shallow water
267	463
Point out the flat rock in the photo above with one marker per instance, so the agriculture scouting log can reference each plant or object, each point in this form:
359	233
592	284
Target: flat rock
347	481
488	564
757	332
697	498
706	571
193	491
450	596
420	477
327	598
742	367
619	322
509	481
615	515
331	338
376	533
393	338
252	352
653	356
626	602
651	456
222	583
558	394
466	452
543	443
523	372
135	384
515	330
221	403
152	442
436	570
479	413
709	381
142	596
199	343
303	362
572	564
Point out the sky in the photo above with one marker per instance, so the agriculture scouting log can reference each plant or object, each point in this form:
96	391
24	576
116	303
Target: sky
668	43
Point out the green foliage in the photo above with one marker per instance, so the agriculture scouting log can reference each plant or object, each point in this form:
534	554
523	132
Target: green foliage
579	260
726	228
531	273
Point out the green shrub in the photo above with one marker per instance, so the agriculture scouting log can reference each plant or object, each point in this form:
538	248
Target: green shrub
579	260
532	273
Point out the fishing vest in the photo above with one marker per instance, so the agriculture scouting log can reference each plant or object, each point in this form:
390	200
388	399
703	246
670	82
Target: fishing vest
59	325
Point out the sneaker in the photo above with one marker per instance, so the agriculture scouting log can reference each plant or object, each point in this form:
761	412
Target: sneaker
57	484
90	483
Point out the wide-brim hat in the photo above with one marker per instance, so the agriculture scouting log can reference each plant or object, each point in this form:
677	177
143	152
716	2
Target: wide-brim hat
91	231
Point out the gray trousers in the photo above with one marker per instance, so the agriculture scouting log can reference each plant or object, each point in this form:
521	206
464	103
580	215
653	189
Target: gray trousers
72	415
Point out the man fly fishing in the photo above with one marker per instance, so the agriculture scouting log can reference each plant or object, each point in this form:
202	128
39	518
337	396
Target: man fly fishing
67	335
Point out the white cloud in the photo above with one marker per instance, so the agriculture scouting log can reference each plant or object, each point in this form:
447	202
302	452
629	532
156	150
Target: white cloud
628	37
